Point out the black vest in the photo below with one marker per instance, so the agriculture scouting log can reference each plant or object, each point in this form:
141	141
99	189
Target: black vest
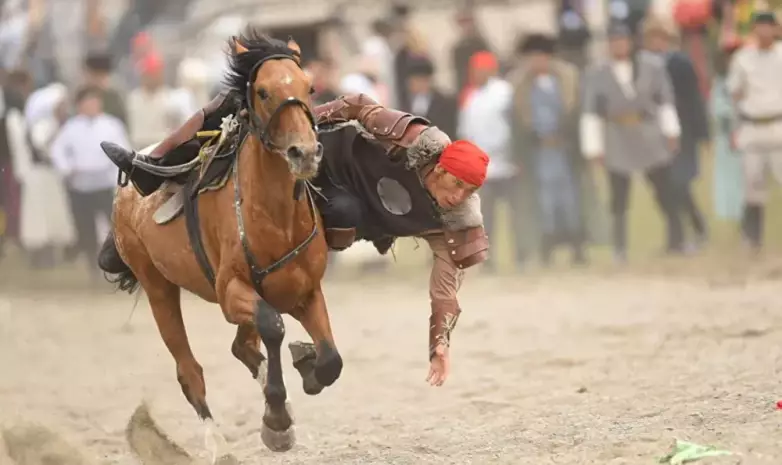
394	201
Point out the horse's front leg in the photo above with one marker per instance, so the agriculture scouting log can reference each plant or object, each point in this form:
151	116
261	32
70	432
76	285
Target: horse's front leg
242	306
320	363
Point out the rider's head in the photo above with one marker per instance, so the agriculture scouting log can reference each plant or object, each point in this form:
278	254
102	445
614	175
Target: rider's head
459	172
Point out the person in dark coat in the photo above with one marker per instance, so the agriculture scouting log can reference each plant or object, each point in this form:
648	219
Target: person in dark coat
546	111
98	68
471	41
424	99
691	109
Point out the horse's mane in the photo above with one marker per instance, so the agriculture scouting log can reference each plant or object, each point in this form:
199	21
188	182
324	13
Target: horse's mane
259	46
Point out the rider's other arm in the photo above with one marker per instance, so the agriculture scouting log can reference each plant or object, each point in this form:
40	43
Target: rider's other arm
453	251
444	283
393	129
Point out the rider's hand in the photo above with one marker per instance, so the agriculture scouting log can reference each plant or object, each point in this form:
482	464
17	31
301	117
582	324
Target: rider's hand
440	366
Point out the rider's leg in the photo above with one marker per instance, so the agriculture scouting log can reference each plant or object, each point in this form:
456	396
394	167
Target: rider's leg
178	148
341	213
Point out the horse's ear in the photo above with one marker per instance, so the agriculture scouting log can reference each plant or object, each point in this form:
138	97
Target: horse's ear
296	49
238	47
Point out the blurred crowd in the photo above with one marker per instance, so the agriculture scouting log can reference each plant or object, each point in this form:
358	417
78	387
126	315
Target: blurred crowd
555	123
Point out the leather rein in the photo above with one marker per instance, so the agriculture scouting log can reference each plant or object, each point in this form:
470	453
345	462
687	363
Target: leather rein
262	132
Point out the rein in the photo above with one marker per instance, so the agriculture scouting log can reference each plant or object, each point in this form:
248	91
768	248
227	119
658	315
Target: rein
261	131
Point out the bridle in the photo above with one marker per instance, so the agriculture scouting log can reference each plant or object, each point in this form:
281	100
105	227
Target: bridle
254	122
257	128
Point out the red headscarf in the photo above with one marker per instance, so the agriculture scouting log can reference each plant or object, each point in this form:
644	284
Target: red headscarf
466	161
484	60
152	64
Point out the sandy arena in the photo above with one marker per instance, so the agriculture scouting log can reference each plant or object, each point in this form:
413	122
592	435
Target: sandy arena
580	369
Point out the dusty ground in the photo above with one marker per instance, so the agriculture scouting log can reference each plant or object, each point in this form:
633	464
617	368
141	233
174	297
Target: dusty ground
575	369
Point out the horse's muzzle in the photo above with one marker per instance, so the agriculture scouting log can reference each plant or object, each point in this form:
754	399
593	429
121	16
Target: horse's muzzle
304	160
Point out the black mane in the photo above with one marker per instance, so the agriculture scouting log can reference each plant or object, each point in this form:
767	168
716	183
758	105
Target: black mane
259	46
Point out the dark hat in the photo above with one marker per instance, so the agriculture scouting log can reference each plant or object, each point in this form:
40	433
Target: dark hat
764	17
87	92
99	62
618	29
420	66
541	43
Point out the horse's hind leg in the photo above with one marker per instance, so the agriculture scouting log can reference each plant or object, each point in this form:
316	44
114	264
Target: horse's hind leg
164	299
320	363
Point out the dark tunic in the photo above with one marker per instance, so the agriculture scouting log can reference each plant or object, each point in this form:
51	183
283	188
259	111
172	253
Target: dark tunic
391	199
692	115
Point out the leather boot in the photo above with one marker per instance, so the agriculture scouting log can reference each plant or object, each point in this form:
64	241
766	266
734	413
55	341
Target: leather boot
145	182
340	238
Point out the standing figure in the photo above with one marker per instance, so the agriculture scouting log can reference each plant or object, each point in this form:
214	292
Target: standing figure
90	176
545	114
728	184
629	125
485	121
754	83
690	108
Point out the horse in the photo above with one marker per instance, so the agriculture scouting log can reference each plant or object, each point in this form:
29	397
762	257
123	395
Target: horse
255	247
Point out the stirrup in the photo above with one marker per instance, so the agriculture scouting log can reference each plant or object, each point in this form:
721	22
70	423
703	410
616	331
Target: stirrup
123	178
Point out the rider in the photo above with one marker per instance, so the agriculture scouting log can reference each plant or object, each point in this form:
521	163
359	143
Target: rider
390	174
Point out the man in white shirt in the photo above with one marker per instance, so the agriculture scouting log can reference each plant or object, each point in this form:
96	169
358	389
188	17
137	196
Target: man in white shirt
485	121
754	83
628	125
90	175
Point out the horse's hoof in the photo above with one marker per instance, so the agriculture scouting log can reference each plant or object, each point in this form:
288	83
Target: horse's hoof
278	441
227	459
328	365
311	386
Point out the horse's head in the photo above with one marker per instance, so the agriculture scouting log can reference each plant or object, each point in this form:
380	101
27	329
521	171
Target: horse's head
277	95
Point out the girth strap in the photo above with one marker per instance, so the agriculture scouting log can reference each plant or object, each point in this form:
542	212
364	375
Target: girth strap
193	224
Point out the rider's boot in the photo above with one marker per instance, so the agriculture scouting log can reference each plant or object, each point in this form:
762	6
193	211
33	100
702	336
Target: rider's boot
178	148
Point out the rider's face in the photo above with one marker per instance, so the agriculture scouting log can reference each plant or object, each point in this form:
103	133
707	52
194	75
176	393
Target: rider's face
448	190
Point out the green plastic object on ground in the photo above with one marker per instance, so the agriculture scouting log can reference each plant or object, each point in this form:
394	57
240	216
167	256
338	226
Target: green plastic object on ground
686	452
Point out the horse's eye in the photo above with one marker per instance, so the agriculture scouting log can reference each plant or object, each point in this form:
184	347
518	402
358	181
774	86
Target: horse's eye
263	94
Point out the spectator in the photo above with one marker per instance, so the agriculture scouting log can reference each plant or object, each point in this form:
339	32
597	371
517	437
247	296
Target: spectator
364	81
690	108
377	48
322	73
414	46
470	42
727	189
629	125
484	121
150	111
426	100
546	113
14	26
97	73
91	177
753	81
17	86
46	223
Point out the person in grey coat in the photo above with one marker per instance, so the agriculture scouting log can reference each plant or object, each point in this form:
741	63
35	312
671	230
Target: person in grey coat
628	125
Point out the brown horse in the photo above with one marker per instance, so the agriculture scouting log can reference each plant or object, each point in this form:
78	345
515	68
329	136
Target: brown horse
260	237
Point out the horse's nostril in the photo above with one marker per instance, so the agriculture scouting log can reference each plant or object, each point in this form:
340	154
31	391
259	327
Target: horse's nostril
295	152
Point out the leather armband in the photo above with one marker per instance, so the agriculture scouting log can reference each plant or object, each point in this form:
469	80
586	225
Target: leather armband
467	247
442	321
393	129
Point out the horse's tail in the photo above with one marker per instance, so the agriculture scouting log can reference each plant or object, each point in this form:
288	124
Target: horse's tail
117	271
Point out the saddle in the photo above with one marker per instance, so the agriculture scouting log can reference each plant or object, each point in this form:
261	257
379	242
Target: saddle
209	171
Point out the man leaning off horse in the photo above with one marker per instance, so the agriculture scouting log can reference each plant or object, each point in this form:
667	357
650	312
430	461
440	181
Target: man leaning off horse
385	174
